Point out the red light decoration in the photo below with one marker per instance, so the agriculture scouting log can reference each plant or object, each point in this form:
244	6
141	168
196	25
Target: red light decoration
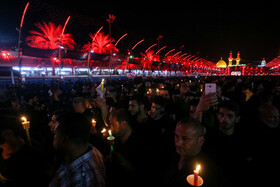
5	55
50	37
148	58
101	44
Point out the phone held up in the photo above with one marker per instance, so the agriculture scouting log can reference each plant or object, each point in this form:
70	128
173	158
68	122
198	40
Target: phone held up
210	88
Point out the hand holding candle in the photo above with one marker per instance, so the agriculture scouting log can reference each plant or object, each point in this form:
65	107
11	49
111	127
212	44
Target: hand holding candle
26	126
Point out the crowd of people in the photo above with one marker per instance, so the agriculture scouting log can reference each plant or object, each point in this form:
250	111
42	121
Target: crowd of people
141	131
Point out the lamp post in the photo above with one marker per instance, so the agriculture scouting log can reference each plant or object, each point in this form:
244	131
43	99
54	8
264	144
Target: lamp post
19	36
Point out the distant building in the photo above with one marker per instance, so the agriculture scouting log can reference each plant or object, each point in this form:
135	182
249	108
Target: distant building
221	64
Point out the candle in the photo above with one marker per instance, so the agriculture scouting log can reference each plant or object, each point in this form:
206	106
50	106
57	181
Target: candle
196	172
26	126
194	179
103	132
111	138
93	122
157	91
102	84
110	134
24	119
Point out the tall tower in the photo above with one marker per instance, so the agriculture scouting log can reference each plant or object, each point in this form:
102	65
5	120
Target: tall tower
230	58
238	58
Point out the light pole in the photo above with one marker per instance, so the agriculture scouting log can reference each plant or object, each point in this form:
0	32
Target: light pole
19	36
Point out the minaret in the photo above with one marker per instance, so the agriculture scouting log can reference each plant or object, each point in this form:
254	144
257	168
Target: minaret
238	58
230	58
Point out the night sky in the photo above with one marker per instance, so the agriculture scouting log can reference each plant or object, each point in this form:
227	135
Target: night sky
209	29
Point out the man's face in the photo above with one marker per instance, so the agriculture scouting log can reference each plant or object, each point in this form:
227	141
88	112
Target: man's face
57	139
78	107
271	119
164	94
227	119
187	141
133	108
115	126
15	105
192	110
156	110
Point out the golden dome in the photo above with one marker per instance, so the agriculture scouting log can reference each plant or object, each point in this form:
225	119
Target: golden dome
221	64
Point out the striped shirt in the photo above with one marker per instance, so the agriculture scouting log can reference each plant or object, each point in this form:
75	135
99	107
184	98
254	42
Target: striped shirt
87	170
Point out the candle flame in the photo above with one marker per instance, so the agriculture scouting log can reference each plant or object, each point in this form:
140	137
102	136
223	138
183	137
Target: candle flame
93	121
24	118
103	130
197	168
110	133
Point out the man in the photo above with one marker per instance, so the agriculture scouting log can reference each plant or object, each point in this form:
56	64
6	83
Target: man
79	106
189	139
20	164
228	116
129	163
263	143
82	163
225	144
160	126
139	86
137	109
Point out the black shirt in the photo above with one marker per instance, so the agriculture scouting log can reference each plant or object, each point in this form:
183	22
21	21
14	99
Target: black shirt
27	167
210	172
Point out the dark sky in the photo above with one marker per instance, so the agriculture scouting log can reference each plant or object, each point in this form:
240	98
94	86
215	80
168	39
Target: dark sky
209	29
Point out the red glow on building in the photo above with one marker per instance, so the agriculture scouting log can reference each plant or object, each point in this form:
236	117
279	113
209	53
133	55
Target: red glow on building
50	36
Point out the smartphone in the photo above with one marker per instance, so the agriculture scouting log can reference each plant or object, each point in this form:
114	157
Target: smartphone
210	88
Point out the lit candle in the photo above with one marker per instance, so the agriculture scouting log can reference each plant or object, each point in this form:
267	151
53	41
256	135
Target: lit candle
110	134
196	172
24	119
103	132
93	122
102	84
157	91
111	138
26	126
